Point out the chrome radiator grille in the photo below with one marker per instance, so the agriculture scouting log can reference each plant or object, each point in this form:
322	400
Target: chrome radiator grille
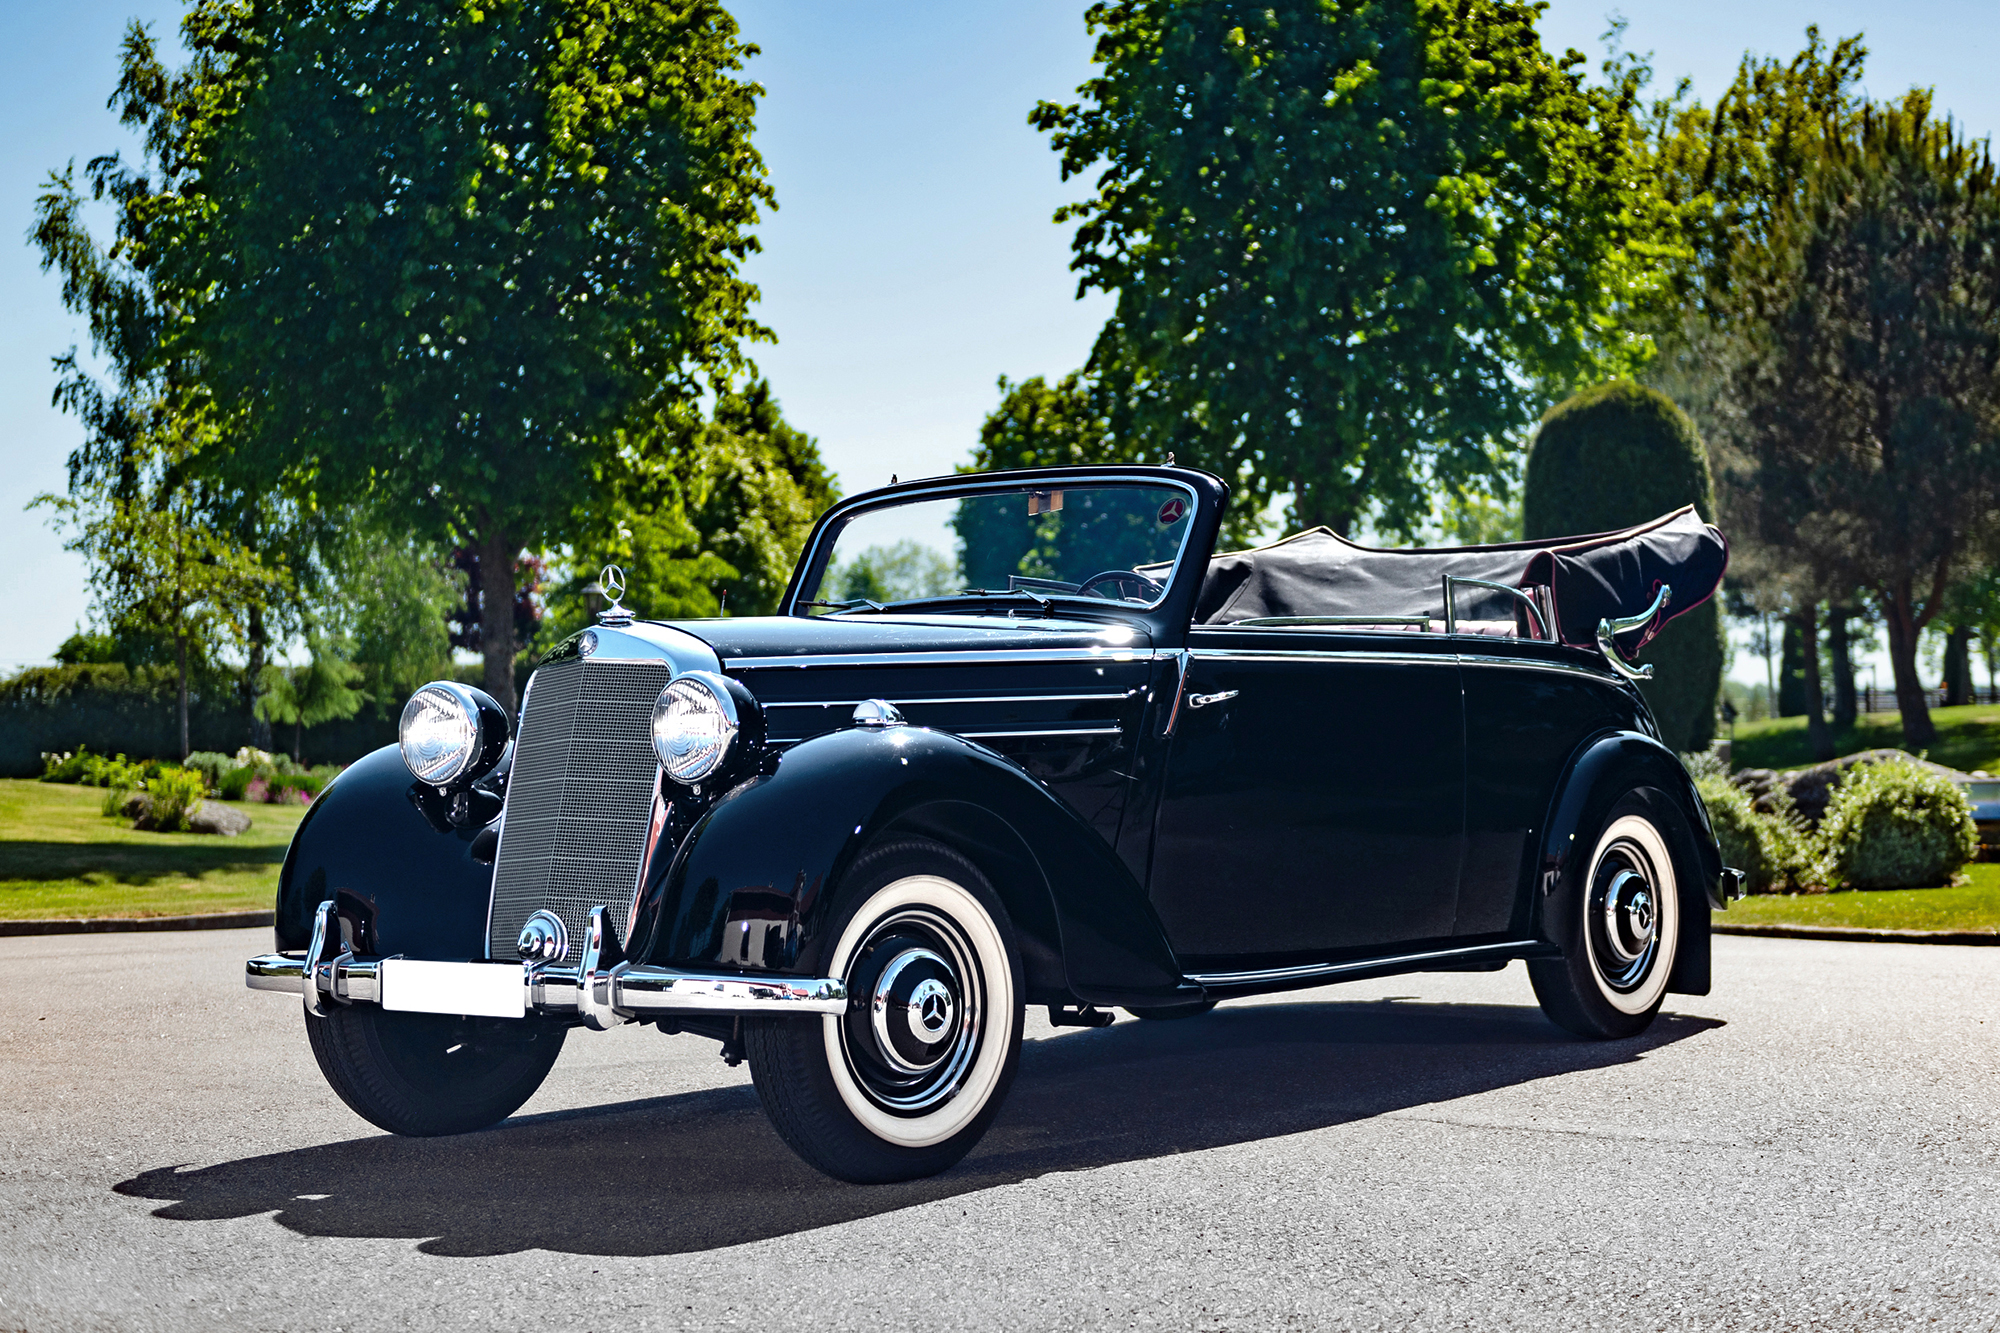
579	798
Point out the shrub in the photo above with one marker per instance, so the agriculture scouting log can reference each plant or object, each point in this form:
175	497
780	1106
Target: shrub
1775	852
1620	454
175	793
212	766
1896	825
235	783
66	767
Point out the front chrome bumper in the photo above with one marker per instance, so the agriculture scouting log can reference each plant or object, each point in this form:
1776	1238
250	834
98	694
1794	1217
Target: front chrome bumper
602	994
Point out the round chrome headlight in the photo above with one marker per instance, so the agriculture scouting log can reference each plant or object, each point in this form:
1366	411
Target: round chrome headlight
695	721
451	734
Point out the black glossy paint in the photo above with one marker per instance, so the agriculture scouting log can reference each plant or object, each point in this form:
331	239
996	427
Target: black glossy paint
1363	796
1317	814
403	885
754	881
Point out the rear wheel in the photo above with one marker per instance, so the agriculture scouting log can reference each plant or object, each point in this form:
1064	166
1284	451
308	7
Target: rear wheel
429	1074
905	1082
1621	933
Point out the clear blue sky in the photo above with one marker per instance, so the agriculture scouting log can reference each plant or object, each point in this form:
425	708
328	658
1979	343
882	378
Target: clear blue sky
912	259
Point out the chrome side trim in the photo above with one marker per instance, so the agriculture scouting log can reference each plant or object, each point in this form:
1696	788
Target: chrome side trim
1319	655
1534	664
1059	731
950	656
969	699
1331	971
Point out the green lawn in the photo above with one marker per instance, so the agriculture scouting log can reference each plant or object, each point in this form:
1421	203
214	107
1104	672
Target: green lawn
1971	907
60	858
1968	739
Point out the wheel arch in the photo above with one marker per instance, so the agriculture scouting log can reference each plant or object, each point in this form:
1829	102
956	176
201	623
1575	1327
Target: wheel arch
774	850
404	880
1601	771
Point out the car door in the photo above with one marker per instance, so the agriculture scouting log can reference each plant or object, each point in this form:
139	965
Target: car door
1314	798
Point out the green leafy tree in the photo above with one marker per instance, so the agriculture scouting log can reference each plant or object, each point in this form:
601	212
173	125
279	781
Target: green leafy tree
320	690
389	599
1866	404
140	427
158	563
1610	457
1352	245
442	256
703	519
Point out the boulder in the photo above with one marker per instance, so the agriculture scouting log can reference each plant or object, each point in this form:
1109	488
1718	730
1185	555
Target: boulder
206	817
1811	789
215	817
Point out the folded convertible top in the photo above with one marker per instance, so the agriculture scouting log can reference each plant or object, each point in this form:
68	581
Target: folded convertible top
1604	575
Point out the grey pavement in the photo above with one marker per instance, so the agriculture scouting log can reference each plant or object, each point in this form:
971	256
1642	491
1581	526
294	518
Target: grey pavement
1813	1146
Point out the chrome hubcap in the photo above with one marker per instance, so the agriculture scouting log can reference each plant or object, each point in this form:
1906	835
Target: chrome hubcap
1624	920
911	1044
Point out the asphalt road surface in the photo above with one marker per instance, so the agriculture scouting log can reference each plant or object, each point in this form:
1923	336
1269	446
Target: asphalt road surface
1812	1147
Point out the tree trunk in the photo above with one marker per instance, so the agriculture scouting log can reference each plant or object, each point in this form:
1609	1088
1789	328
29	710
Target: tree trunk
1918	729
1791	671
299	739
260	654
1958	667
1818	735
181	667
496	615
1846	708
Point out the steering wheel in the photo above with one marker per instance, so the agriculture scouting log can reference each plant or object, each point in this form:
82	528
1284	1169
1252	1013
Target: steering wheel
1131	585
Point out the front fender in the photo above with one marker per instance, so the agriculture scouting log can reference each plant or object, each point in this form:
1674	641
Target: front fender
1602	770
753	883
402	885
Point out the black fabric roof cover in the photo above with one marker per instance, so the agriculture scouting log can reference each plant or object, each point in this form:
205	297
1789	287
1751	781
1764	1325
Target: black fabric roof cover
1604	574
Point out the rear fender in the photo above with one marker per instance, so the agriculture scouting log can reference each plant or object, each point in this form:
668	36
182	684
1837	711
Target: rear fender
402	884
753	884
1602	770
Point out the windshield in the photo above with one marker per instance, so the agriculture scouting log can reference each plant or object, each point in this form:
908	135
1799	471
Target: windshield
1100	542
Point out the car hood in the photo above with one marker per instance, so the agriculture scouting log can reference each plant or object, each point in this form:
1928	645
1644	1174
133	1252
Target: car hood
753	640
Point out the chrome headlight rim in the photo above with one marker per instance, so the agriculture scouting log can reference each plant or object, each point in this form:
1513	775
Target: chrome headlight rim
696	762
483	732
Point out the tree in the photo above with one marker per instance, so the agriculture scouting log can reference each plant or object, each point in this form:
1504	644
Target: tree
441	256
320	690
155	562
704	518
133	500
1613	456
1866	408
389	600
1351	244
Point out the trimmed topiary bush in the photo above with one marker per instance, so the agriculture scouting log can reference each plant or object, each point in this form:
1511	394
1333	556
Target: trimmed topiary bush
1616	455
1896	825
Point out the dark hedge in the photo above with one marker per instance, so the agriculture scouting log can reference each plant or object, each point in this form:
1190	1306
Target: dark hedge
1620	454
114	710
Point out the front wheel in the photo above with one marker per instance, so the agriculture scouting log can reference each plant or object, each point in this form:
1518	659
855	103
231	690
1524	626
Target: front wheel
428	1074
905	1082
1620	933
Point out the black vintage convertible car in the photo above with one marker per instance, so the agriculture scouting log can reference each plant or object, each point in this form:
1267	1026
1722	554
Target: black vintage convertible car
1012	739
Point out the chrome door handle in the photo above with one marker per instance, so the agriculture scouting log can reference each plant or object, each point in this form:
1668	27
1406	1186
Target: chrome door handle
1204	700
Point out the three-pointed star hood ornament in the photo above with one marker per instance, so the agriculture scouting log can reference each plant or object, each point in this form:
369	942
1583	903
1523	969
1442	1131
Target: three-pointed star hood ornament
611	582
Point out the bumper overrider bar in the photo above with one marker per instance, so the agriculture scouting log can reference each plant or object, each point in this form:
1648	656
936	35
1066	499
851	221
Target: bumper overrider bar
602	993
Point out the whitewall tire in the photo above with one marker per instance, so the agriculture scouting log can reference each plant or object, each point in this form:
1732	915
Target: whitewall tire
905	1082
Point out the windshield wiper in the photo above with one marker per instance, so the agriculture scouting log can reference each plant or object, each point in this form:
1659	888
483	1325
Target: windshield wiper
1043	602
850	604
